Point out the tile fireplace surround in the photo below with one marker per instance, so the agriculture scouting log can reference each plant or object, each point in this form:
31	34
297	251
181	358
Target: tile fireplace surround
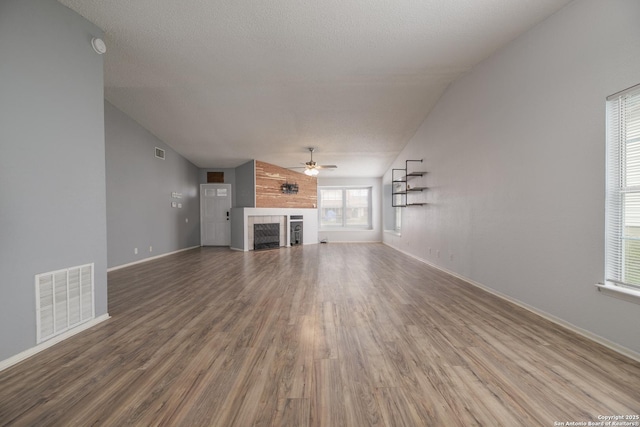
243	220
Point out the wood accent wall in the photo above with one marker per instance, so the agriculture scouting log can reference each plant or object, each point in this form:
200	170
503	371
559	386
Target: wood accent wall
269	179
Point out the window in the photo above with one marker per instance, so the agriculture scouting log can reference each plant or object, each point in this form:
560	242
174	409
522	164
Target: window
623	189
345	207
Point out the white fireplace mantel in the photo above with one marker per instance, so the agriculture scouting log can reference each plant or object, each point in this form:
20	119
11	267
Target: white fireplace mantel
240	220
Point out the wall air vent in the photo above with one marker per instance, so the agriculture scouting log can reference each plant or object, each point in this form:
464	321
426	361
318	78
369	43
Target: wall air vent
160	153
64	299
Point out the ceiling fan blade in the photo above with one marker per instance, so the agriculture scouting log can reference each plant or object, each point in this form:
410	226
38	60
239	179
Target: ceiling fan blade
310	165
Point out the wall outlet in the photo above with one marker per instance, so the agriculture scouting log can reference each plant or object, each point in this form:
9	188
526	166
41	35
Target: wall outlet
150	248
135	251
186	220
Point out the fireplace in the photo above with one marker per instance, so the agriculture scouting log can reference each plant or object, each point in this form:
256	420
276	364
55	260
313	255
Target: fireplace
266	236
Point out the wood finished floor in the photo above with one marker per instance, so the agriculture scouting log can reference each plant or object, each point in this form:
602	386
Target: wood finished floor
324	335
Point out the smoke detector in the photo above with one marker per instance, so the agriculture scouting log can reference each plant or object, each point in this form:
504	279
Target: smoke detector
98	45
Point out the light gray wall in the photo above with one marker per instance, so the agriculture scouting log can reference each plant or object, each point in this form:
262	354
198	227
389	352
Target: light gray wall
388	211
246	185
52	164
237	228
516	158
373	235
139	193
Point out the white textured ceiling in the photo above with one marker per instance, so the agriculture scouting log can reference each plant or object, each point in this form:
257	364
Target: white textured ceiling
226	81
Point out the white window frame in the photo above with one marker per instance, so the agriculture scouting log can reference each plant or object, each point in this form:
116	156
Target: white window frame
620	135
344	226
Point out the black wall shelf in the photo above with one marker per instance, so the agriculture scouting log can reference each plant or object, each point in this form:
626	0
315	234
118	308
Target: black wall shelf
401	187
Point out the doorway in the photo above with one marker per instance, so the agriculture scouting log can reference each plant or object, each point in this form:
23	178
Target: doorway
215	206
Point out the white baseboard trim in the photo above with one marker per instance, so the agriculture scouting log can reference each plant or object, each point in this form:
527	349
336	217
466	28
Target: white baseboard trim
4	364
150	259
558	321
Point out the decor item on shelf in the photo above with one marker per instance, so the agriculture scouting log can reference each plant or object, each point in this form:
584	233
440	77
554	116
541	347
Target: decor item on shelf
289	188
311	168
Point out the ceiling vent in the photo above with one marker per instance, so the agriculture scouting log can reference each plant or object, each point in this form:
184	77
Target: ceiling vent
160	153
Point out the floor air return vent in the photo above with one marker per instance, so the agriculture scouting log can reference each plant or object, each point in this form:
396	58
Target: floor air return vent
64	299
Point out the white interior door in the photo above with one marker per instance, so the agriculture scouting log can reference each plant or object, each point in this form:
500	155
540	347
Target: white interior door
215	205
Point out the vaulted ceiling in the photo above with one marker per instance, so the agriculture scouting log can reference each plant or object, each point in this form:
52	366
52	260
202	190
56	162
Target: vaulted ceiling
226	81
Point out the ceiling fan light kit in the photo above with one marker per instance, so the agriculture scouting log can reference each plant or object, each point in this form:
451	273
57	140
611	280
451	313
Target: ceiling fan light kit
312	168
311	171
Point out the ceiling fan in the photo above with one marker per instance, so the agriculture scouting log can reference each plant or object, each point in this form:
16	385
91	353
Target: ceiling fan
311	168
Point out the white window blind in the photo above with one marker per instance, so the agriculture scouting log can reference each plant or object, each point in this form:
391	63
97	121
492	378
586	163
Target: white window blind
345	207
623	189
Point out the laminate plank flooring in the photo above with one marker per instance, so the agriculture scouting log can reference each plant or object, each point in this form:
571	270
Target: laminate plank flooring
320	335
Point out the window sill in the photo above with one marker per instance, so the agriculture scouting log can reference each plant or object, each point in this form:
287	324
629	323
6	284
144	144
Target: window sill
619	292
